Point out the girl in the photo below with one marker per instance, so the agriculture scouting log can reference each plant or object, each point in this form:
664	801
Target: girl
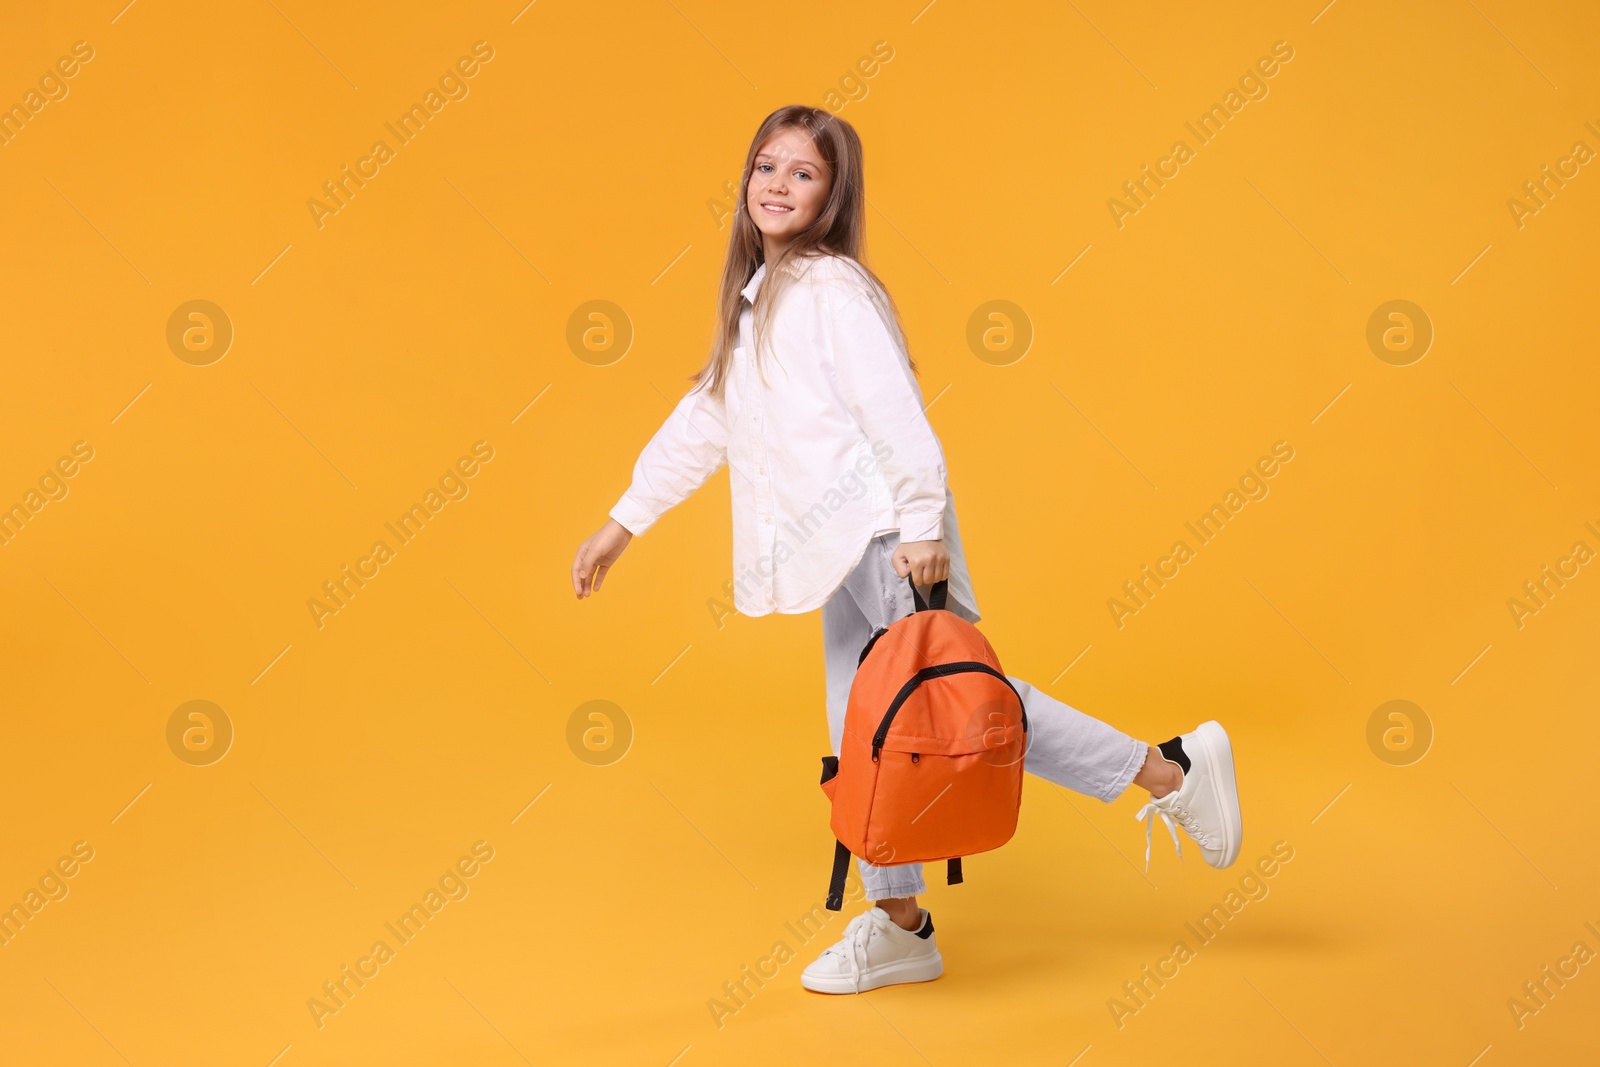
839	495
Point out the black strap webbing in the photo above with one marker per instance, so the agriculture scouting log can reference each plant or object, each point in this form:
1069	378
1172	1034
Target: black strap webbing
936	595
841	867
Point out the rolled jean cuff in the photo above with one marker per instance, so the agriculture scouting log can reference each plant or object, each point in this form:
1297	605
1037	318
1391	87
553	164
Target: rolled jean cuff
1129	772
881	883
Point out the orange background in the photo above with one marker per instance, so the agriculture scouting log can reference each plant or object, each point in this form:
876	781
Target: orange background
371	753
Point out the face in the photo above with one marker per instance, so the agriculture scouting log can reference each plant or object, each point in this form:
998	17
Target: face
788	187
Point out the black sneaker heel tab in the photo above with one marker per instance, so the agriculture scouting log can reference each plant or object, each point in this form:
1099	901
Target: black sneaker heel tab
1173	750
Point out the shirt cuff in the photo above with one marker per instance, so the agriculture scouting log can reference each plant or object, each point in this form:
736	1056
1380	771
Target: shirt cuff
921	527
632	516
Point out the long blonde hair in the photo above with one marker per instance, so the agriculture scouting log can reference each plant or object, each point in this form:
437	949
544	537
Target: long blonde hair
838	230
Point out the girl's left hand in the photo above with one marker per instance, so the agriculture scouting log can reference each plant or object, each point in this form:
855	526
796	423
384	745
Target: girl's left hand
925	562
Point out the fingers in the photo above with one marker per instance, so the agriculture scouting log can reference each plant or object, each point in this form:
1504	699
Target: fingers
922	567
932	569
579	573
594	560
583	573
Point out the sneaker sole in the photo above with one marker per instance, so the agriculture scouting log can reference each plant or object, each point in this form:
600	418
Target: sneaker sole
918	970
1219	762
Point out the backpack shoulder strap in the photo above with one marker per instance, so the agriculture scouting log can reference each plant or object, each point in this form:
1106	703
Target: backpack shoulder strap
841	867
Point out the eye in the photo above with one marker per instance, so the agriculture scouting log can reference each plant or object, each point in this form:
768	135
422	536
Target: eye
762	166
803	173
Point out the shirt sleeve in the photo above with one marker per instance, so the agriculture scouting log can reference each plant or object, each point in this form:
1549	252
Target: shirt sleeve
875	380
690	446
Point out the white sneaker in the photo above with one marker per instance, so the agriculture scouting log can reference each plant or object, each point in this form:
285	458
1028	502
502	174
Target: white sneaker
1206	805
875	951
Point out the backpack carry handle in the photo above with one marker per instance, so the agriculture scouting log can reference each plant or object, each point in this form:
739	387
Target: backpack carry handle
936	594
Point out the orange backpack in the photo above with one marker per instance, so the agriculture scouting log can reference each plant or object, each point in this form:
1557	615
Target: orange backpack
930	765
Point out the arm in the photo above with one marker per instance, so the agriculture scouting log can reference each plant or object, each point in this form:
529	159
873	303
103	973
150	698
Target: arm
690	446
876	384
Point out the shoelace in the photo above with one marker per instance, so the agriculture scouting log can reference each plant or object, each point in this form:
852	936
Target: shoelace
853	946
1191	826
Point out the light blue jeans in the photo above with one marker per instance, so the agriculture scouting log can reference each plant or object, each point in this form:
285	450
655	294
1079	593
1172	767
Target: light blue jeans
1065	746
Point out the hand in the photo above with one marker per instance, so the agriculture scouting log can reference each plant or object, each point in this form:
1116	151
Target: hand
925	562
597	555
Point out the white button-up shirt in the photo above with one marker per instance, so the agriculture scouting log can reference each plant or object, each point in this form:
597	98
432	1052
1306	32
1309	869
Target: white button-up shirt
831	450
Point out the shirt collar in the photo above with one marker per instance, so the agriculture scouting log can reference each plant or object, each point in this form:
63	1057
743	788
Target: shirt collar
796	268
754	285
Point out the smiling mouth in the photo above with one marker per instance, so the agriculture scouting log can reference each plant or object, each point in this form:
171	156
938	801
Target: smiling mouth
776	209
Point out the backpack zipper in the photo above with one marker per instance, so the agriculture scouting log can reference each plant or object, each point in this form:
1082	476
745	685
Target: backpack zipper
939	670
